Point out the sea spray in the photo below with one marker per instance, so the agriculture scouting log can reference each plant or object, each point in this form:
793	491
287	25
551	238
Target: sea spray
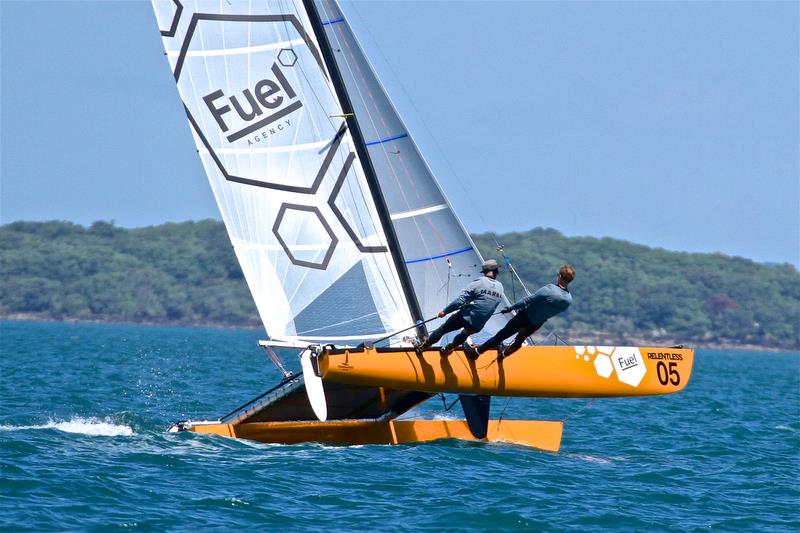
85	426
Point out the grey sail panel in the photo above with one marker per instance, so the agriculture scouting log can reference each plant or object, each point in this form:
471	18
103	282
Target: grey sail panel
440	256
349	297
401	169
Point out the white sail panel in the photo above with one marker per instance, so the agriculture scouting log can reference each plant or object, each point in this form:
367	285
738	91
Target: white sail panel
283	168
438	252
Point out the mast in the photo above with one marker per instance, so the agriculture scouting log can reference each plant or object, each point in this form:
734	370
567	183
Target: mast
369	170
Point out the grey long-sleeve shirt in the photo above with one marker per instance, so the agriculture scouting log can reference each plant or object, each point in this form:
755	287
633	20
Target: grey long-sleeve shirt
483	295
545	303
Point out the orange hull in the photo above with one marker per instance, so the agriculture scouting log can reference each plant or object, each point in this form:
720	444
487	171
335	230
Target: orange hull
538	434
533	371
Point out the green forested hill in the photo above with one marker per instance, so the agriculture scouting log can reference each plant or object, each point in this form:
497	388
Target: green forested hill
170	273
187	273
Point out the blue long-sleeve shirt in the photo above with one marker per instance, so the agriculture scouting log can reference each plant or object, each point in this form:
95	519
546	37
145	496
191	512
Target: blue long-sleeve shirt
483	295
545	303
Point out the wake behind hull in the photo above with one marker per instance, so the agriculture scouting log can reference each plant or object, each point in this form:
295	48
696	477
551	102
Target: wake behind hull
533	371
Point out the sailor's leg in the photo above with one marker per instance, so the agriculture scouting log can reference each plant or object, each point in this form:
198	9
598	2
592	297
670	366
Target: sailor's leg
462	335
454	322
505	332
434	337
524	332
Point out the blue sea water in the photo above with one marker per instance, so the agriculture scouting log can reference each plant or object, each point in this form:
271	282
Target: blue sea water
83	446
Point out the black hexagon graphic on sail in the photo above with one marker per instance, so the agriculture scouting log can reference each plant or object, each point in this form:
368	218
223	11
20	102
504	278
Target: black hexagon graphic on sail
287	57
176	17
351	232
308	217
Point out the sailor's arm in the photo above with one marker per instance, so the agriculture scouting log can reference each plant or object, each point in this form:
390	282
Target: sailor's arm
525	302
466	296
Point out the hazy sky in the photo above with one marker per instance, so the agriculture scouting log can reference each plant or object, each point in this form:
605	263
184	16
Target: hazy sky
671	124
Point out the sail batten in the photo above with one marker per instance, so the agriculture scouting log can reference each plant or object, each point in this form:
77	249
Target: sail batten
240	50
418	212
388	139
441	256
268	149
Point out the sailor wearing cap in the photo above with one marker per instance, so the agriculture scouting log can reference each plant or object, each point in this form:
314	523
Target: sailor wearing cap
475	305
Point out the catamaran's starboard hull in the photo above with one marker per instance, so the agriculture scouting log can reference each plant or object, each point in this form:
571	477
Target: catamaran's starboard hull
544	435
532	371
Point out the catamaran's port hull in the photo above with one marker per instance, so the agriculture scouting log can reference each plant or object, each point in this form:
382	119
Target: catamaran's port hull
544	435
532	371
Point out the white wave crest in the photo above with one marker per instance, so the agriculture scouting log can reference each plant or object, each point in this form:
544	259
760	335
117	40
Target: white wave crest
590	458
85	426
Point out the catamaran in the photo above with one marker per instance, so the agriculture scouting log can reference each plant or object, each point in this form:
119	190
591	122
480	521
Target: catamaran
348	243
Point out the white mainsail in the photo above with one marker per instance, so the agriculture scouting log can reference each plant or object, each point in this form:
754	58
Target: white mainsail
313	239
